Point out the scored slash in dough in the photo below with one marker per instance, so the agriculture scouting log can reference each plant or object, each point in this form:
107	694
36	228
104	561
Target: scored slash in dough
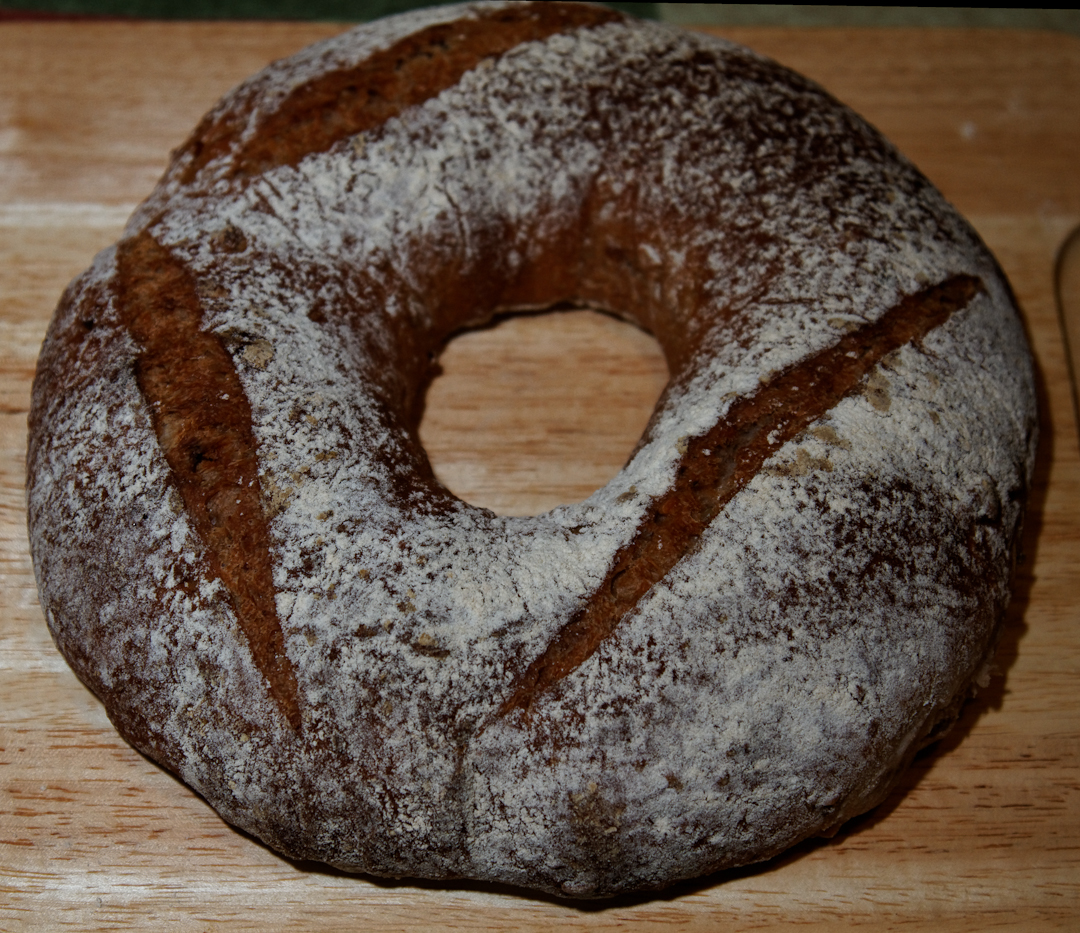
738	643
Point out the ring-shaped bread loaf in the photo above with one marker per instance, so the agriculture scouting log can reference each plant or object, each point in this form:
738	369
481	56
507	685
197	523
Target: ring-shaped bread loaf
738	643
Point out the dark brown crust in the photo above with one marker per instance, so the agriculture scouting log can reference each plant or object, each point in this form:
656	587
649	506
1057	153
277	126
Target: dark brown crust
410	730
717	464
203	423
341	104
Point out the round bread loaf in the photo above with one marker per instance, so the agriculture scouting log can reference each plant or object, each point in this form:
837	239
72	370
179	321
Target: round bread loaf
736	644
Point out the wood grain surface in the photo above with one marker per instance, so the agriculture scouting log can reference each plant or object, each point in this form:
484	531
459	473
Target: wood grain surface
984	831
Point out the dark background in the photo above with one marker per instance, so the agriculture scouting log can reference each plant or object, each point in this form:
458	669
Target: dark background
721	14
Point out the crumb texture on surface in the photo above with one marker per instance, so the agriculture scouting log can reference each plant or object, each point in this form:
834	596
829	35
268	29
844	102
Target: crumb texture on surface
353	707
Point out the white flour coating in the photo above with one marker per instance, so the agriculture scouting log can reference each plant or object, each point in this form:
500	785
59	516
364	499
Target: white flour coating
262	93
772	681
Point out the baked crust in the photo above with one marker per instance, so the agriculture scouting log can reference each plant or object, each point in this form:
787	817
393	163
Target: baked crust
738	643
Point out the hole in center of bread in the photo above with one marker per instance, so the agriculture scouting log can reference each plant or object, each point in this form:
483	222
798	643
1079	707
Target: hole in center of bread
540	410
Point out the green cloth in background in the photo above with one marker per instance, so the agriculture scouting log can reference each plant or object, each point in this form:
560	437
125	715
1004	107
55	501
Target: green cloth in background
332	10
718	14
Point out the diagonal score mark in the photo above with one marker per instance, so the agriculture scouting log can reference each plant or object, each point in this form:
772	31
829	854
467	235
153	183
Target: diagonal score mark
722	461
202	420
340	104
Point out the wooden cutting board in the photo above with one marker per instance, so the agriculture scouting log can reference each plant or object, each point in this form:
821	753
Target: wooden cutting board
984	831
